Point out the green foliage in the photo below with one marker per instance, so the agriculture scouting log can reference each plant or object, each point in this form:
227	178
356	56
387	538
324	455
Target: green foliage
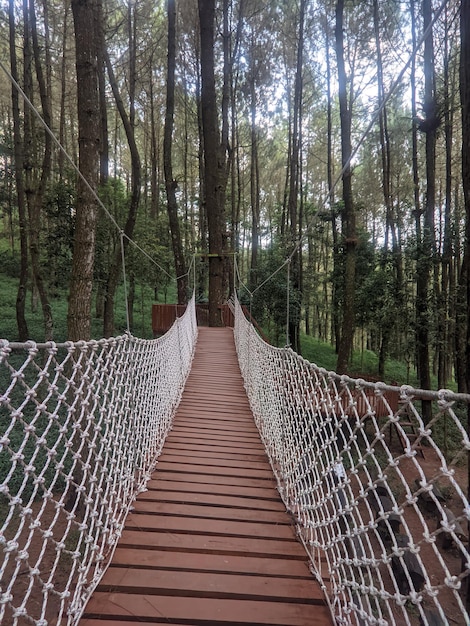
59	209
269	305
31	434
10	264
142	312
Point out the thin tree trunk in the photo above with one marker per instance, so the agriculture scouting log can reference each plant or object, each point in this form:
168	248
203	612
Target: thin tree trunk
294	188
349	216
81	282
115	269
335	318
465	274
426	244
465	104
154	151
445	313
170	183
214	211
23	332
35	182
254	168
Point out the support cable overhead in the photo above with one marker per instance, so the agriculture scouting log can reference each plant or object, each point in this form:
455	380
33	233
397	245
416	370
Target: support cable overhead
323	201
75	167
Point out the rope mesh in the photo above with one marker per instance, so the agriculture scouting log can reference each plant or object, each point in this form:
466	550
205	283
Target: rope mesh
81	426
379	497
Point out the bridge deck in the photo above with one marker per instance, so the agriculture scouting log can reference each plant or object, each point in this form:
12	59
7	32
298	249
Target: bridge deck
210	541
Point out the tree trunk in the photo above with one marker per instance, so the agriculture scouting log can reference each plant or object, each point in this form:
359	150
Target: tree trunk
36	178
170	183
100	51
23	332
115	269
426	244
81	282
335	318
214	210
294	189
348	214
445	311
254	168
465	274
465	104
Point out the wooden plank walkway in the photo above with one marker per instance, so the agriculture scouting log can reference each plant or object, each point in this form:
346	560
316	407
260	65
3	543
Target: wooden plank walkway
210	541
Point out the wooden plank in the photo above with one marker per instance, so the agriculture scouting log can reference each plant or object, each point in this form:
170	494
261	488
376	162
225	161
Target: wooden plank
215	500
220	459
212	468
263	548
215	453
211	562
202	478
211	585
241	441
211	512
237	528
198	426
218	443
216	611
259	493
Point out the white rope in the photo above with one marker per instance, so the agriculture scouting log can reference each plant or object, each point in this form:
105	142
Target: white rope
385	529
82	425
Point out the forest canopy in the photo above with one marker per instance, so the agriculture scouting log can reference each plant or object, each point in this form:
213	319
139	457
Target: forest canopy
321	145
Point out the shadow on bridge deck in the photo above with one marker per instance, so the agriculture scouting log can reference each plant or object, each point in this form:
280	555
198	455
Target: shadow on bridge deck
210	541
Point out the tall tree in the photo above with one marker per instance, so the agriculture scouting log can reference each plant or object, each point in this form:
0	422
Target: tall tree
465	104
294	185
426	243
214	191
128	121
88	108
254	163
348	210
170	182
465	274
23	332
36	177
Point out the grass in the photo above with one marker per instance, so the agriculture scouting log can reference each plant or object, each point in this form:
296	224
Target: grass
363	364
8	329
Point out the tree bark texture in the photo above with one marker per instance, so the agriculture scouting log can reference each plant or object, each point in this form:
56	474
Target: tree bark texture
426	242
89	136
170	183
136	175
214	209
36	178
348	213
23	333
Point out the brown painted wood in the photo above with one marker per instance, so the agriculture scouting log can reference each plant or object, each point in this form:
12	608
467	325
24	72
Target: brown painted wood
212	499
207	562
165	609
187	468
210	512
199	526
221	460
210	542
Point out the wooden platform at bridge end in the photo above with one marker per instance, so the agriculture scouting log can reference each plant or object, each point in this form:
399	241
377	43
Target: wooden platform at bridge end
210	541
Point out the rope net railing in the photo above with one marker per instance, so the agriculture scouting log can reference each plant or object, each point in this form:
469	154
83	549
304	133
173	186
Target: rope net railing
379	497
81	427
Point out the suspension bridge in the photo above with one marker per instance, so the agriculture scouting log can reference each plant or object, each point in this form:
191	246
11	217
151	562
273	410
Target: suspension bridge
207	477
